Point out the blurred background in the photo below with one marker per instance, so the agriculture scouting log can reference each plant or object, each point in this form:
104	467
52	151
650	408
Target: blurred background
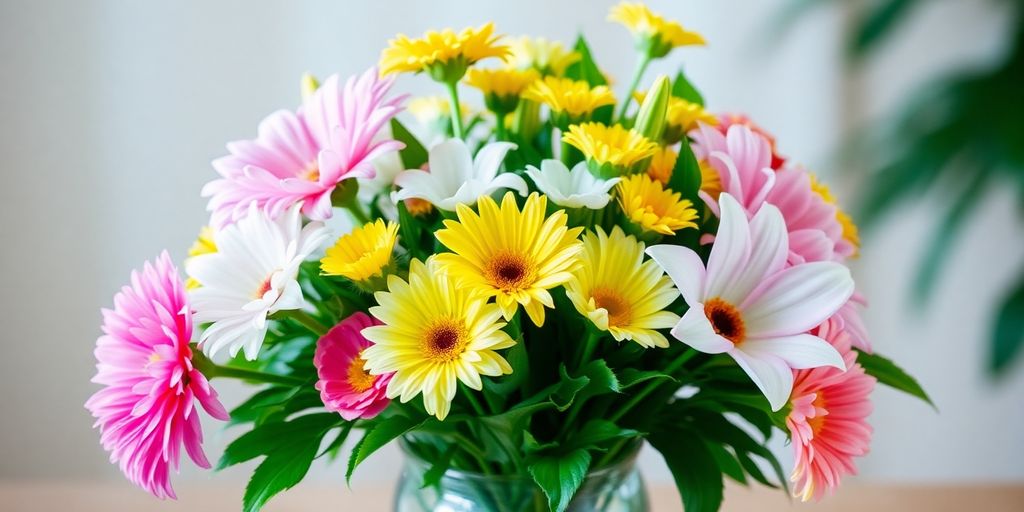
110	112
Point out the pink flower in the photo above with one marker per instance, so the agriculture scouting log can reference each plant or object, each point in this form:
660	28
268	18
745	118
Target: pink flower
727	120
828	424
146	411
345	387
852	324
743	158
747	303
303	156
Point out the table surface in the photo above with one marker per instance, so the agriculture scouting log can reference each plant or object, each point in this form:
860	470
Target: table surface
26	496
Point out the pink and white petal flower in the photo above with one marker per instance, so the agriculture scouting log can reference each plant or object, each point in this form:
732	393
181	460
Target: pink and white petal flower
796	299
799	351
696	330
685	269
770	374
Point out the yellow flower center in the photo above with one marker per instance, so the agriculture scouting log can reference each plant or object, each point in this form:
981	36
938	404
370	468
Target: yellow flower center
508	271
418	207
310	173
818	421
725	319
359	379
619	312
445	340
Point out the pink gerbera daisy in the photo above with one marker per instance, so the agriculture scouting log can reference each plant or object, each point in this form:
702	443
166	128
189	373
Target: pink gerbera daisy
303	156
742	158
345	387
146	411
828	423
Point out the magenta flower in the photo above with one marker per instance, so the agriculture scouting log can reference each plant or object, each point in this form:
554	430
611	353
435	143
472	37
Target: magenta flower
345	387
303	156
146	411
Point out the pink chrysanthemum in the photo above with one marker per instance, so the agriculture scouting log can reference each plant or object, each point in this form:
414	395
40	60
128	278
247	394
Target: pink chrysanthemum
303	156
146	411
828	421
345	387
742	158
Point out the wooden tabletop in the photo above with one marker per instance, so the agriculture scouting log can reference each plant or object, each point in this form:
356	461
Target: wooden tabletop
31	496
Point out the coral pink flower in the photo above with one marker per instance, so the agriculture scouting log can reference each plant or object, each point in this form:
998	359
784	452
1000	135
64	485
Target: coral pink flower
146	411
747	303
828	423
743	160
345	387
852	324
303	156
727	120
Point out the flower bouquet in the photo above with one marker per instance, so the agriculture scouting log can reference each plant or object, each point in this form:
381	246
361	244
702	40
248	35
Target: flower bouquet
561	277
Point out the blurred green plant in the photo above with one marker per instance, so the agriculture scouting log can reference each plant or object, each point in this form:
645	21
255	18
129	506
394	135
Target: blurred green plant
961	135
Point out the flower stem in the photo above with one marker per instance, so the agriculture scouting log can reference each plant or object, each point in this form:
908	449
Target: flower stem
638	72
358	213
500	132
253	375
566	154
453	99
593	335
303	318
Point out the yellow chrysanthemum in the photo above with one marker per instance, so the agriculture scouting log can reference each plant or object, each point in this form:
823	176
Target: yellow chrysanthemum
547	57
613	145
363	254
501	87
710	181
204	244
662	164
575	98
681	116
515	256
850	232
620	292
655	35
435	334
445	54
653	207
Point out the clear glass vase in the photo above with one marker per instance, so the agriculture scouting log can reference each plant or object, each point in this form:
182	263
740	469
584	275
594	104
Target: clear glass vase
617	488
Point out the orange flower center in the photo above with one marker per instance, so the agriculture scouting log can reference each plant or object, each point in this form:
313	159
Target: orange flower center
445	341
818	421
619	312
359	379
311	172
418	207
263	288
725	319
508	272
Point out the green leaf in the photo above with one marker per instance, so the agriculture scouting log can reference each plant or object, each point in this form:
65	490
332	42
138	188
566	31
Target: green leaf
560	476
682	88
630	377
601	380
413	155
432	476
597	431
585	69
280	471
253	408
878	23
693	468
567	389
377	436
727	462
891	375
266	438
1008	335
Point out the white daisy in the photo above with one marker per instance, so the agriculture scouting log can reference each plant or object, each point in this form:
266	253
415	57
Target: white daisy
571	189
251	276
455	178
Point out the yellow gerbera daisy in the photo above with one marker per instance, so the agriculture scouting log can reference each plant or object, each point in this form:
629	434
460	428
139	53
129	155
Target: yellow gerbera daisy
681	116
445	55
655	35
710	181
654	208
501	87
620	292
547	57
363	254
204	244
613	150
515	256
850	232
662	164
570	99
435	334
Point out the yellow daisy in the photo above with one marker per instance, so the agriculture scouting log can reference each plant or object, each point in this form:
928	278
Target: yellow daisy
620	292
850	232
435	334
613	150
515	256
445	55
710	181
501	87
662	164
363	254
547	57
681	116
204	244
655	35
572	100
654	208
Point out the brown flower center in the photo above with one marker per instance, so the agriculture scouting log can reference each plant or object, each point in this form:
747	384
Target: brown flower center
508	272
446	340
725	319
359	379
619	312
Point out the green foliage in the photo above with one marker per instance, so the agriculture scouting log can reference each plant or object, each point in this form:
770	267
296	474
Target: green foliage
1009	331
682	88
560	476
265	439
379	434
891	375
585	69
693	468
413	155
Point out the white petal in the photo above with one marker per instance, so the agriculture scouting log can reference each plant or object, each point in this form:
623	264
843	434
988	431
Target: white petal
731	251
770	374
451	162
685	269
509	180
769	247
695	330
800	351
796	299
489	158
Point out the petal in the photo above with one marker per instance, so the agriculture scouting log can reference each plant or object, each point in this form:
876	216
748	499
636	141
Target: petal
731	251
488	160
684	267
695	330
769	373
796	299
769	247
800	351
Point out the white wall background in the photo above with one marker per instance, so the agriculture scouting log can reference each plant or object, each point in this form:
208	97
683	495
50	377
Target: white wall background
110	112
